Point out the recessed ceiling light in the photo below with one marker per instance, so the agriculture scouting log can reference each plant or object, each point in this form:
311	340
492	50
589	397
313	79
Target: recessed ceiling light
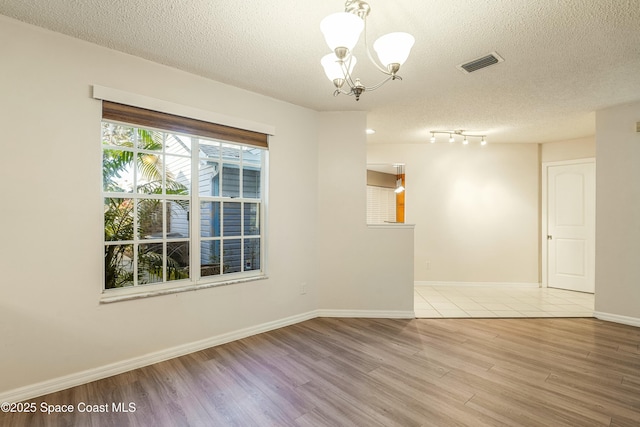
370	131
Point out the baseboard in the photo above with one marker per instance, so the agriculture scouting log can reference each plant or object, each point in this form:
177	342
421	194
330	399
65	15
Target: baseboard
84	377
626	320
369	314
506	284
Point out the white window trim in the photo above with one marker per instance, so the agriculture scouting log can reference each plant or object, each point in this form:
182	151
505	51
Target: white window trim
196	283
152	290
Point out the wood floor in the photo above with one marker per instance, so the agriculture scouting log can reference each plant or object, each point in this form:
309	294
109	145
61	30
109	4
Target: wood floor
381	372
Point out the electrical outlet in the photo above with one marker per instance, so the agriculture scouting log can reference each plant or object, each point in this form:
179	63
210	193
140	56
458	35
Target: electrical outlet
303	288
428	265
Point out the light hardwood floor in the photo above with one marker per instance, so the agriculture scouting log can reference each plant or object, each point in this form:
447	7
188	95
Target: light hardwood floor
382	372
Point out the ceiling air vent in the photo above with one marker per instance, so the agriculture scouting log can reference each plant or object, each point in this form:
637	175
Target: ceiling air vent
480	63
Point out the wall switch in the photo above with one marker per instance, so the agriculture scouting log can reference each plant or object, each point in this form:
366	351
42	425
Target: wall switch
428	265
303	288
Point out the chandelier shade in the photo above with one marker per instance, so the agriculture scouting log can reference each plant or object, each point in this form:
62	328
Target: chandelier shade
341	29
394	48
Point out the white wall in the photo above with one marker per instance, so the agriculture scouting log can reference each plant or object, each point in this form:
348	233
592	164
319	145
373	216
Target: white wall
475	209
572	149
360	267
51	322
51	256
618	212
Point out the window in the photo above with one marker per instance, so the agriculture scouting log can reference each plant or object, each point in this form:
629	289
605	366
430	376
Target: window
179	207
381	205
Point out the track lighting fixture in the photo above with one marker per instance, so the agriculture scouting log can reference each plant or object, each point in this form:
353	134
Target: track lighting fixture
453	133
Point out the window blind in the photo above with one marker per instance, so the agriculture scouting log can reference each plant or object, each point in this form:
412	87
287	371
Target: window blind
381	205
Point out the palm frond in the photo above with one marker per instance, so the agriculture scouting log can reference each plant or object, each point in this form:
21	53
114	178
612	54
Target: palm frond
150	140
150	167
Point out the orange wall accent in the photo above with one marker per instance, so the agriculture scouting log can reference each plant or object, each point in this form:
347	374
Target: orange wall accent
400	202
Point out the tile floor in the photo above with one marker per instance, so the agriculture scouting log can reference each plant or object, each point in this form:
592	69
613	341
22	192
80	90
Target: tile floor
500	301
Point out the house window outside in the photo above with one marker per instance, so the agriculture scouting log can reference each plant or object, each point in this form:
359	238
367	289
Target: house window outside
180	208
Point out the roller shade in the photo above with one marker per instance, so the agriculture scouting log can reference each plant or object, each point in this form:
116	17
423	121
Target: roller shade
149	118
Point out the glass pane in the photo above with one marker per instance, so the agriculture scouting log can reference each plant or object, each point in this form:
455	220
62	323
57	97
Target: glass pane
251	156
118	266
177	260
251	254
178	175
118	219
232	254
231	219
210	219
209	149
251	219
117	171
149	169
230	152
150	213
230	181
150	263
178	219
150	140
122	136
178	144
210	258
250	182
209	178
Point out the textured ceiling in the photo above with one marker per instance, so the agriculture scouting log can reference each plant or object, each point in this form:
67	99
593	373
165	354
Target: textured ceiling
564	59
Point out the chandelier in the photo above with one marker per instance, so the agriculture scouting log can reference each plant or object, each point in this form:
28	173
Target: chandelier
461	133
341	32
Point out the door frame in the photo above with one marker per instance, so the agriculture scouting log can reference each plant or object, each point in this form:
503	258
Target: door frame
544	213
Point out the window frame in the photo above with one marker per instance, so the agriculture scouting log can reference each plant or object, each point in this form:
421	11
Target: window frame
196	280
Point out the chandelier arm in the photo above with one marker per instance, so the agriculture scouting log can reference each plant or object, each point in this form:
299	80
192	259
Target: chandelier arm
345	71
340	91
374	87
366	47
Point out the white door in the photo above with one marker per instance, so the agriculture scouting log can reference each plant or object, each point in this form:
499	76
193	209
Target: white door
571	226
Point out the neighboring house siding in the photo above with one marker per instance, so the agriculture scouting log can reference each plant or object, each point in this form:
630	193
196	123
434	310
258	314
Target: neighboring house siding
179	168
251	182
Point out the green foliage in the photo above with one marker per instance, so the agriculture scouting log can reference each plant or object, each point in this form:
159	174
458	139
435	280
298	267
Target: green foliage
119	220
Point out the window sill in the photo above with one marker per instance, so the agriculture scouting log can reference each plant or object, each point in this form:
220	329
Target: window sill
127	294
